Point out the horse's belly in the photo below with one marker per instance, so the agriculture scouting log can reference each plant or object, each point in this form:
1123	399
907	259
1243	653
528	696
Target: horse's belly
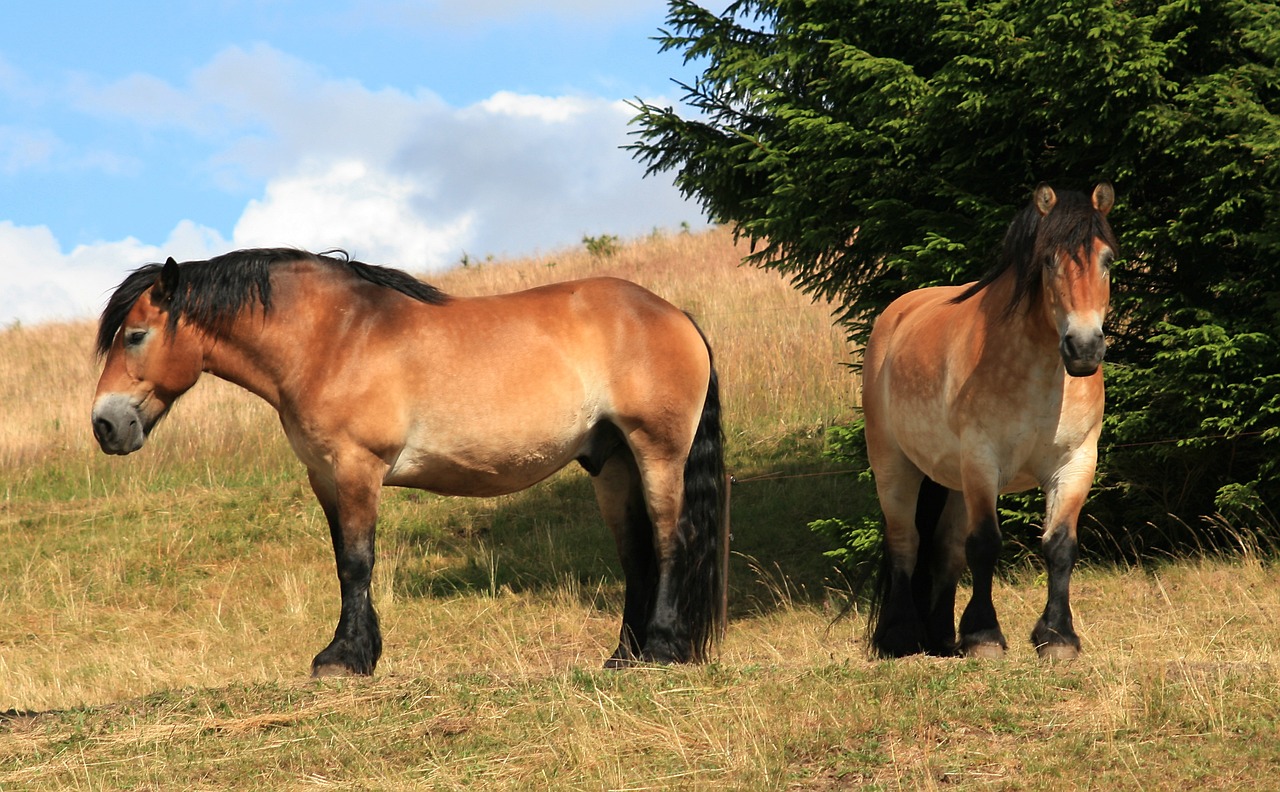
482	468
1021	482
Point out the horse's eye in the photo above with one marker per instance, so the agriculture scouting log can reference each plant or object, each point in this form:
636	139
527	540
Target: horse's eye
134	337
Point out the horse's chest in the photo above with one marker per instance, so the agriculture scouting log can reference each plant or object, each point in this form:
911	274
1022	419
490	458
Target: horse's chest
1017	429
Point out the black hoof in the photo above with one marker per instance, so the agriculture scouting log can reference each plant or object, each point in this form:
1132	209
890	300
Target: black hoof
620	663
1051	644
322	670
950	649
341	658
625	658
663	654
892	650
984	644
622	657
899	639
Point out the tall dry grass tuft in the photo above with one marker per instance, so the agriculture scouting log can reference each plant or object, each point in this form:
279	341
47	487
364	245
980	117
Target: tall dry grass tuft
43	369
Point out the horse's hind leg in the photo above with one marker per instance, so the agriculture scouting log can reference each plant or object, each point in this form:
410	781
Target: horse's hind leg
949	565
897	629
617	485
667	637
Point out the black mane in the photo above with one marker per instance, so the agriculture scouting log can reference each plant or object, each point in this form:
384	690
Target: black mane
212	292
1033	240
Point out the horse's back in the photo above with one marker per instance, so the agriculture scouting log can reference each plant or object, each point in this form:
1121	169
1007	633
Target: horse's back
606	328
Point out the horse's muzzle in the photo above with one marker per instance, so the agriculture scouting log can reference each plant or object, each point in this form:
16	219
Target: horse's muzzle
118	425
1082	351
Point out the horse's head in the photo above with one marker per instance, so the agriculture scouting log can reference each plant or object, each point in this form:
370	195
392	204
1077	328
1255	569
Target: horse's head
1076	246
150	361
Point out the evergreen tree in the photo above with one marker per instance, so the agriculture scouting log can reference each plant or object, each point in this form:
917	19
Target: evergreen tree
869	147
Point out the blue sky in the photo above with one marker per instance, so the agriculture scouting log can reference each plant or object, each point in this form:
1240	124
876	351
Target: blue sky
408	133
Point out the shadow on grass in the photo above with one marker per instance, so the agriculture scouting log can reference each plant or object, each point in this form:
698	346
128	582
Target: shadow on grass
552	537
534	540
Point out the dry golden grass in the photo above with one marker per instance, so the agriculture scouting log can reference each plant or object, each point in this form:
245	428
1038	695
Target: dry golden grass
160	611
501	692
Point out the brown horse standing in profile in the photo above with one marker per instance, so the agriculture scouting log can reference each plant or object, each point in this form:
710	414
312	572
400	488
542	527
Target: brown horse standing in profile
382	380
973	391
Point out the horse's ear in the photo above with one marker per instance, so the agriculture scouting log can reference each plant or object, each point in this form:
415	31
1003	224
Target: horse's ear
1104	197
166	285
1045	199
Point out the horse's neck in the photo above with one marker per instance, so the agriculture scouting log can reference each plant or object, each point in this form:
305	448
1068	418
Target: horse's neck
1025	324
245	355
274	355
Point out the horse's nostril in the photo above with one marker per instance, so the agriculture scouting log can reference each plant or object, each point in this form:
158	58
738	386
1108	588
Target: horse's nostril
102	428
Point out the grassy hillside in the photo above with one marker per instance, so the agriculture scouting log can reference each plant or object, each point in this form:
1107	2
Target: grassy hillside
205	551
159	611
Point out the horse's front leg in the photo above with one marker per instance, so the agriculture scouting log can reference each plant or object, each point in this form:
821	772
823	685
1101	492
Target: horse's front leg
1054	635
980	633
350	504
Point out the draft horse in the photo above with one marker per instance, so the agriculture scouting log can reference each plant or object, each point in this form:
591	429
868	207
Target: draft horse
383	380
976	390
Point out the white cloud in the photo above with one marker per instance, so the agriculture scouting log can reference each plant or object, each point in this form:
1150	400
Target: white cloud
394	177
18	85
38	282
509	174
191	242
540	172
22	149
550	109
142	98
352	206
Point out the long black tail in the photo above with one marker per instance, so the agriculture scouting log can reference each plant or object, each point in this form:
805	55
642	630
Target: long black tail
704	481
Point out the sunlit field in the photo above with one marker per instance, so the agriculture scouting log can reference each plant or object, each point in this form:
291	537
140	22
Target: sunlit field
160	611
